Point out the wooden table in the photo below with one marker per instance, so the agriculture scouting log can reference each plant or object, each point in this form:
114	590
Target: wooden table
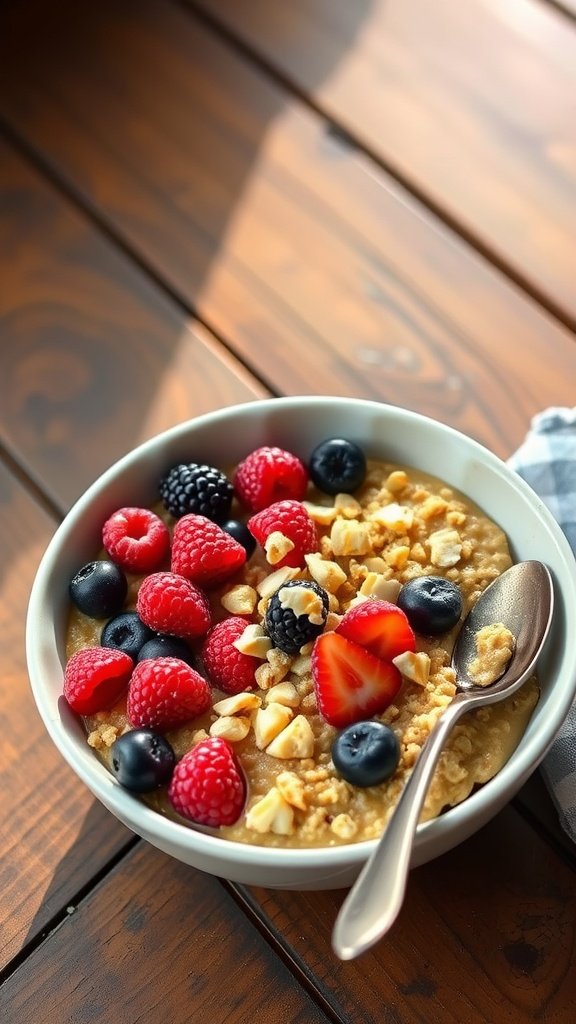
208	202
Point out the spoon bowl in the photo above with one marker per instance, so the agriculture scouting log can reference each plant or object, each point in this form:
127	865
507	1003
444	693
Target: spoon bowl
522	599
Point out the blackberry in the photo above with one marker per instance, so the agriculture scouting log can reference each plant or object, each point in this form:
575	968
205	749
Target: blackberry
203	490
296	614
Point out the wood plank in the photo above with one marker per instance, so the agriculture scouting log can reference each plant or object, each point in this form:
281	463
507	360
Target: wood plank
472	104
158	942
318	270
53	836
485	934
94	358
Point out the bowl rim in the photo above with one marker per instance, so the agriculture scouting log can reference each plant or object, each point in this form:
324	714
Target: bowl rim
141	818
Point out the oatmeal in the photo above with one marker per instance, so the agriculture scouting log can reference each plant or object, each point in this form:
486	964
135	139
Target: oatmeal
494	649
338	584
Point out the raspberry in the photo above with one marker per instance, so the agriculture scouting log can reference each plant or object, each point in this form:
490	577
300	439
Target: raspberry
95	678
203	552
227	667
268	475
204	490
207	785
168	603
291	519
136	539
164	692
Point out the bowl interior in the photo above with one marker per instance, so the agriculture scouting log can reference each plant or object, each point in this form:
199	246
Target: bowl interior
298	424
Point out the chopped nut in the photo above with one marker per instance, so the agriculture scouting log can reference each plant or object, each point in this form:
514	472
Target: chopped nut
445	547
269	722
240	600
321	514
326	573
199	735
272	813
398	556
396	481
433	506
343	826
277	546
253	641
333	620
376	564
414	666
103	736
283	693
292	788
347	506
394	517
264	676
296	740
238	703
350	538
279	662
302	601
301	664
376	585
231	727
271	583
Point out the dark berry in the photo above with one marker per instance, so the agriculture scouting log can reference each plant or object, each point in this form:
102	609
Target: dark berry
203	490
99	589
366	753
166	647
296	614
240	532
142	760
337	465
126	632
431	604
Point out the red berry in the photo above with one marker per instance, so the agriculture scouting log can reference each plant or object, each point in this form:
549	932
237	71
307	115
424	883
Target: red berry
380	626
170	604
350	683
95	678
203	552
290	518
208	785
268	475
164	692
136	539
227	667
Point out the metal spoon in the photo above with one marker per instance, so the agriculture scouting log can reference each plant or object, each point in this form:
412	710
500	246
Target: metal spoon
522	598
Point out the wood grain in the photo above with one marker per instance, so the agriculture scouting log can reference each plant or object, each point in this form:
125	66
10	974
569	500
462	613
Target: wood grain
158	942
319	272
94	357
486	934
472	104
53	836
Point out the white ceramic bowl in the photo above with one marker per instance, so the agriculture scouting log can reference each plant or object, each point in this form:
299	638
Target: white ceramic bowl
298	424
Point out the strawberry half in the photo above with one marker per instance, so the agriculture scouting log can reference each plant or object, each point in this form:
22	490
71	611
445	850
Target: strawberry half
351	684
379	626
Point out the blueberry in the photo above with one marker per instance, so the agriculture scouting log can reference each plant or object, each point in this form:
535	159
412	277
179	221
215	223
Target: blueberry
127	633
240	532
366	753
337	465
142	760
288	630
99	589
431	604
160	646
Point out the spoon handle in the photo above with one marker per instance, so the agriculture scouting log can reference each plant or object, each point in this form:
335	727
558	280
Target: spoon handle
374	901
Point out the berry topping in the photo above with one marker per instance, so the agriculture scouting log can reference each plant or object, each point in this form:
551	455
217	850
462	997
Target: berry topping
291	520
227	667
268	475
200	489
166	647
379	626
432	604
296	614
350	683
203	552
99	589
136	539
142	760
366	753
164	692
95	678
126	632
337	465
168	603
208	785
240	532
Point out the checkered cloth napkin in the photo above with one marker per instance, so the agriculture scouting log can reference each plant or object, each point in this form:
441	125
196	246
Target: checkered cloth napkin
547	461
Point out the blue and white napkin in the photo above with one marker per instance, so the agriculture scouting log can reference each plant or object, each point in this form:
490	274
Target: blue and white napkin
547	461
